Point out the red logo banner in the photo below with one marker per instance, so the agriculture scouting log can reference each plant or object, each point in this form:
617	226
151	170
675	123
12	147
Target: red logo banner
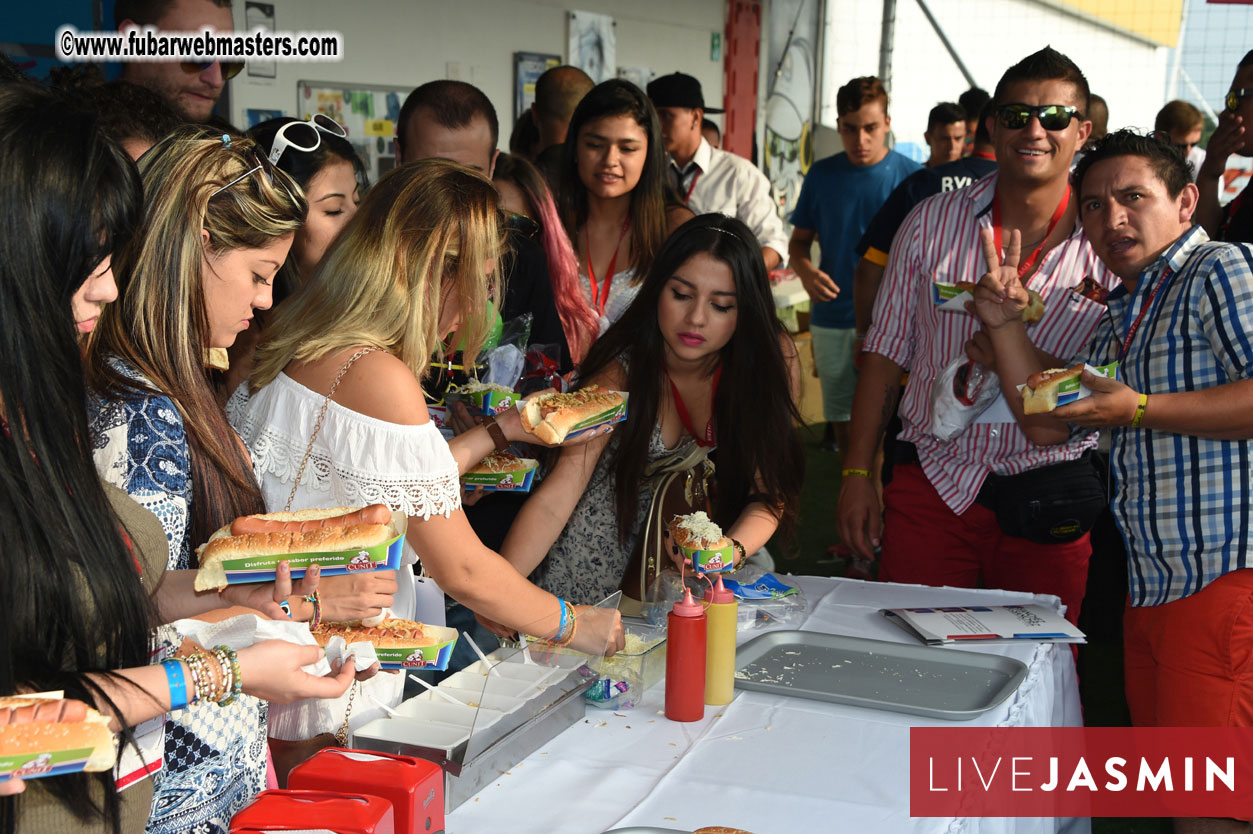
1081	772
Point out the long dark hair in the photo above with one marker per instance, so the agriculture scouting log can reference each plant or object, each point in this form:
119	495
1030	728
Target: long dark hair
754	413
70	598
303	166
648	203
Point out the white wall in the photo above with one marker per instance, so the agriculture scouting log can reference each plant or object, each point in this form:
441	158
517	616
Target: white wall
990	36
410	42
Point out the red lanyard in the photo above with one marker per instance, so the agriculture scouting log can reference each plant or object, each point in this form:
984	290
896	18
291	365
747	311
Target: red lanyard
984	155
686	419
687	198
1135	325
600	297
1025	266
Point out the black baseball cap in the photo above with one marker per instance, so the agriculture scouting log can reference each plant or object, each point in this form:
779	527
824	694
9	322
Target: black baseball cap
678	90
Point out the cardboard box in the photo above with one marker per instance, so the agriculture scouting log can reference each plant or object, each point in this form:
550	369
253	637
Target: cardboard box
514	481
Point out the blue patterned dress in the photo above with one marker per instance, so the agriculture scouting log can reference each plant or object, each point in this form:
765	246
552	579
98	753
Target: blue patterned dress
215	756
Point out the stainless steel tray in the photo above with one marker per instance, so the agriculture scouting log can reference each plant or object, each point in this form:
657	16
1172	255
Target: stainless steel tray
919	680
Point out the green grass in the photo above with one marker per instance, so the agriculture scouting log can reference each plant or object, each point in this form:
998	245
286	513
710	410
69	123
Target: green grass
1100	661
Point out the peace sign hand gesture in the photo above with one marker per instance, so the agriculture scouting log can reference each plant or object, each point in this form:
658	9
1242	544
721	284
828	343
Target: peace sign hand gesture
1000	296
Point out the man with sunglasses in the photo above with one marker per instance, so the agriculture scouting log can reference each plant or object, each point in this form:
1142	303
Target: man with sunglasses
953	513
1234	134
192	89
1181	328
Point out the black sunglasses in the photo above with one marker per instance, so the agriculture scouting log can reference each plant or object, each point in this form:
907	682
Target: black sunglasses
1051	116
230	69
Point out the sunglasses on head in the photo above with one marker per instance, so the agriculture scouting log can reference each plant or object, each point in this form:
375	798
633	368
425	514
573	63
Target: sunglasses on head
1234	96
230	69
305	137
1051	116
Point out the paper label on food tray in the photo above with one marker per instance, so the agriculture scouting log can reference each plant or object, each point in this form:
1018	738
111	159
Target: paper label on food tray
39	765
1072	390
711	561
520	481
492	402
949	297
767	587
434	656
384	556
613	415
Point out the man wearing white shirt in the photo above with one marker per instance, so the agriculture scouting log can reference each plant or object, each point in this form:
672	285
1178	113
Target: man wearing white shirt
1180	123
707	178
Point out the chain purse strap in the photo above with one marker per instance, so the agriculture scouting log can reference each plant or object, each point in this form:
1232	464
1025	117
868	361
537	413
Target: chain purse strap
695	488
317	427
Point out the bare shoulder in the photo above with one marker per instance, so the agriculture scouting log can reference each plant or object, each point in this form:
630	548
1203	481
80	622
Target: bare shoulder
676	216
378	385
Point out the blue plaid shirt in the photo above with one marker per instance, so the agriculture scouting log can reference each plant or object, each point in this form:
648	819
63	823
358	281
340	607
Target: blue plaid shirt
1182	502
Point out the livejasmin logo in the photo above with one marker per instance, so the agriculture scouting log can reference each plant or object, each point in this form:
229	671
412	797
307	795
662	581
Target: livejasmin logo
1081	772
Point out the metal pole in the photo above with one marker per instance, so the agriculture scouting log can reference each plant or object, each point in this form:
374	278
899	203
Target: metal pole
935	24
887	38
1173	81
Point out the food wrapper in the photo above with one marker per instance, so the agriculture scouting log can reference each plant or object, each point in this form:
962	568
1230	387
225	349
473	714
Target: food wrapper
949	297
503	481
385	556
719	560
432	656
53	761
1072	390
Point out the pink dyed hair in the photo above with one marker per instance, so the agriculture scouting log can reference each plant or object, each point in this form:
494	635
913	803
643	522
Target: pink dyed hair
577	319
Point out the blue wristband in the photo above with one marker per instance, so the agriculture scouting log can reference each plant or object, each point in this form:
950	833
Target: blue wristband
561	626
178	683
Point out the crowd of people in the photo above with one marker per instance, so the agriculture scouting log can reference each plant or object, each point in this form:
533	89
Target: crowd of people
201	323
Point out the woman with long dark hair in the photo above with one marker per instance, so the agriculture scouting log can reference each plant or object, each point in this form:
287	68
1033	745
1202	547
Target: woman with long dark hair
613	198
706	362
81	561
524	193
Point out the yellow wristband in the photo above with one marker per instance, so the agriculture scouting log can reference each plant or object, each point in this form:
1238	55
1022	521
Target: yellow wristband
864	473
1139	415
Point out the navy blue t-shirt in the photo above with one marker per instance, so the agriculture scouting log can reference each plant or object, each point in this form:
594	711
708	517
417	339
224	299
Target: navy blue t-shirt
837	201
917	187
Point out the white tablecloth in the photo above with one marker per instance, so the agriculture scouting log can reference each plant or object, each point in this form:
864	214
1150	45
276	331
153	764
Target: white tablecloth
765	763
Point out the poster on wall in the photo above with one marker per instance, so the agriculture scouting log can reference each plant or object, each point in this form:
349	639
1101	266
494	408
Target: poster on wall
592	45
368	113
260	16
527	68
639	76
792	97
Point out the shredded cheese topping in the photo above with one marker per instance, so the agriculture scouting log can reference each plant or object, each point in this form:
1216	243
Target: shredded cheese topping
700	527
574	399
499	462
476	386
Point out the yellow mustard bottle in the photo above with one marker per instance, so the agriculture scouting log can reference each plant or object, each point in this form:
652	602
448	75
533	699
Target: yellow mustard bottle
723	612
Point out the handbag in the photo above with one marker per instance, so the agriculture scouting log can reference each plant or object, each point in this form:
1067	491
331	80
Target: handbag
1051	505
678	484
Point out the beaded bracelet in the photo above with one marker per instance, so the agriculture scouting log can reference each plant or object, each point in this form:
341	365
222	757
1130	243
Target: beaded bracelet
206	681
317	609
229	659
199	676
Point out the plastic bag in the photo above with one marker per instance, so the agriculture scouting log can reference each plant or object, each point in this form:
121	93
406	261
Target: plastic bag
962	391
543	370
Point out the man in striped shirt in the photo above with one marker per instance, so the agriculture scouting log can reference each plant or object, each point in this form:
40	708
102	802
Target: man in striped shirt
933	529
1181	328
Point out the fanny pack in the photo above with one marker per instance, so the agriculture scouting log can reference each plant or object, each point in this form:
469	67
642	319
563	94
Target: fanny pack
1050	505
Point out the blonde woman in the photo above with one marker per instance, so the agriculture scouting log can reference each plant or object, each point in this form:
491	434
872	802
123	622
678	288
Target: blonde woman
350	351
217	223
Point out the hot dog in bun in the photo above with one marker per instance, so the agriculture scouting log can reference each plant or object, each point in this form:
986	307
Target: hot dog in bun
1039	396
46	723
550	417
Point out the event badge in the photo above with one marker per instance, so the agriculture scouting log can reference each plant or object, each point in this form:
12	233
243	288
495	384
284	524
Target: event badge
133	767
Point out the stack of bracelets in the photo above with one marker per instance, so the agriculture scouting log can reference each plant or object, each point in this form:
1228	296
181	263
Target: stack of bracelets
215	677
565	629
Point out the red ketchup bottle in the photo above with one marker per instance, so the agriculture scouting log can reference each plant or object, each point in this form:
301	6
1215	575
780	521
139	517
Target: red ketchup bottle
685	660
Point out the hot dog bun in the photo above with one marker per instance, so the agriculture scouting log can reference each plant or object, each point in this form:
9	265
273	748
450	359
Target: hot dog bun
212	576
1035	307
1039	396
550	417
393	633
44	723
720	829
696	531
305	521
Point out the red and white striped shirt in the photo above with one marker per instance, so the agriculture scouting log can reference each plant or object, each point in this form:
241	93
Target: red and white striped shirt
939	242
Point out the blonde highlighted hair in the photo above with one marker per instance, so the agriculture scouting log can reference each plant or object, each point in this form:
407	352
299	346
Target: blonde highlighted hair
424	233
193	182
